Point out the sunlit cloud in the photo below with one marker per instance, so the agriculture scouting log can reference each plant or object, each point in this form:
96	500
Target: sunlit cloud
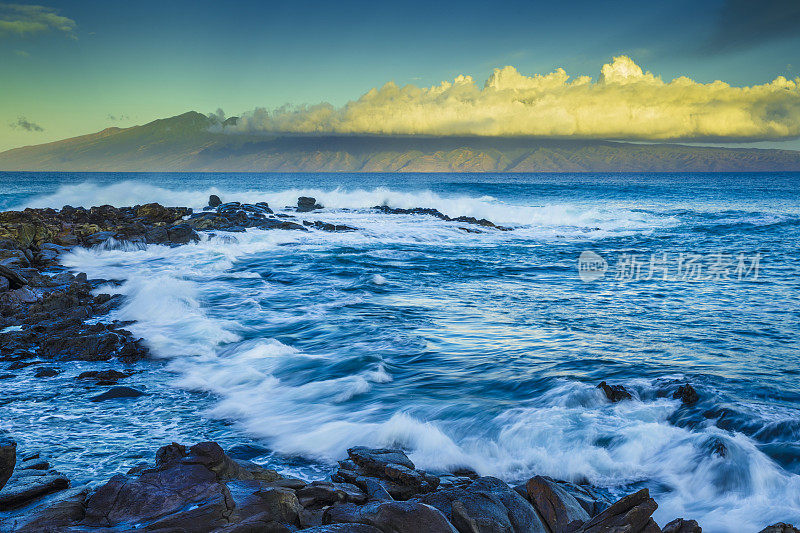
24	20
624	103
24	124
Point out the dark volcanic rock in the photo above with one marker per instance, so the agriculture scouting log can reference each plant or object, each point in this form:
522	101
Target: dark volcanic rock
14	279
195	490
324	226
679	525
615	393
486	504
306	204
46	373
780	528
556	506
687	394
103	375
21	489
214	201
391	472
115	393
438	214
343	528
53	512
629	514
394	517
8	458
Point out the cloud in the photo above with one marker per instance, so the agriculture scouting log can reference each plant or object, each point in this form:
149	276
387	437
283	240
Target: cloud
744	23
22	53
625	103
24	20
24	124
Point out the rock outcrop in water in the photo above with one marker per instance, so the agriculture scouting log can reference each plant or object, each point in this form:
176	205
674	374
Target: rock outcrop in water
50	314
438	214
201	489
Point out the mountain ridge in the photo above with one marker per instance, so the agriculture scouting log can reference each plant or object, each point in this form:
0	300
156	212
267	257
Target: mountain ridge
195	142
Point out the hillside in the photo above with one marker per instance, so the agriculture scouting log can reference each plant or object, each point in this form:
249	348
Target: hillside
185	143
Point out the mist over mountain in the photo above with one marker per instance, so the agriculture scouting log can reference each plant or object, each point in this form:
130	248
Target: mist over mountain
195	142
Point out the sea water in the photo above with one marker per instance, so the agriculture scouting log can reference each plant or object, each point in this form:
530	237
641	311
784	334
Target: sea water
467	349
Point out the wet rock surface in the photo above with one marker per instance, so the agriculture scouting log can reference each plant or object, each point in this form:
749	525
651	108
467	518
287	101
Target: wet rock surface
201	488
438	214
615	393
686	394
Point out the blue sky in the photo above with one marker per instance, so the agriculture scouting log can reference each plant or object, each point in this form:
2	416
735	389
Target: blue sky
125	63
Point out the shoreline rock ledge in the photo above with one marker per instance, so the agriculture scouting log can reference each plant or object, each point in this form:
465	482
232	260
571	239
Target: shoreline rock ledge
201	489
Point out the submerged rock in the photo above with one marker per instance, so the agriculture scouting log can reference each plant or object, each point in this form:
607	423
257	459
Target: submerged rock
8	458
438	214
115	393
687	394
615	393
46	373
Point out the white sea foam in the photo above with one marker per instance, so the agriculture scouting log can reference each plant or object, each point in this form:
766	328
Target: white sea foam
593	219
571	432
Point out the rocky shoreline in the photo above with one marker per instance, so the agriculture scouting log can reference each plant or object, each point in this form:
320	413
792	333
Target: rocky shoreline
48	314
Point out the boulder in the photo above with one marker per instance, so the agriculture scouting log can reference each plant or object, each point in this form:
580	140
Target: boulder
214	201
46	373
615	393
196	489
103	375
54	512
391	517
392	472
8	458
182	234
306	204
115	393
321	493
630	514
686	394
22	488
679	525
486	505
559	509
780	528
15	281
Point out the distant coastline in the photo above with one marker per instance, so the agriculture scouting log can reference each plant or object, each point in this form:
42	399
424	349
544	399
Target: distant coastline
190	143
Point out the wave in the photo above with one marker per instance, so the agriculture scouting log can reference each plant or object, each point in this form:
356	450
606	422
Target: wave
592	217
186	302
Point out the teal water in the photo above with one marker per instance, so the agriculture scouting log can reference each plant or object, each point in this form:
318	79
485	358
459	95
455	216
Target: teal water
469	349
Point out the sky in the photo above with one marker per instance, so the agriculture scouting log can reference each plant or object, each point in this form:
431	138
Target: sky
75	67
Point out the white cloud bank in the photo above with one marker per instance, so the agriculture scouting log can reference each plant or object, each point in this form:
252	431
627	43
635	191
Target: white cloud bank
624	103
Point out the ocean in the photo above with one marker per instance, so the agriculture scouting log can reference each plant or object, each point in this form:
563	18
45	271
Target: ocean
478	349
